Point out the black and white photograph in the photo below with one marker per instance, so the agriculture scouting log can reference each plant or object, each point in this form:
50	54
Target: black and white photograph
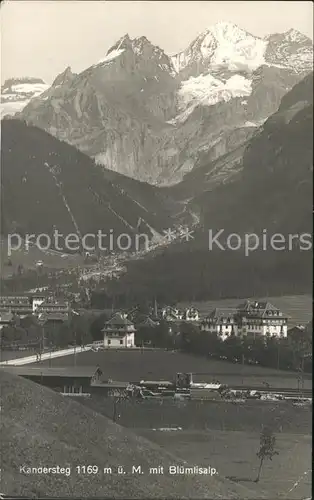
156	249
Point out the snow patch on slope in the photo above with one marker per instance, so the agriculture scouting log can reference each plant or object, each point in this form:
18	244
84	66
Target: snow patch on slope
10	108
26	88
111	56
207	91
257	123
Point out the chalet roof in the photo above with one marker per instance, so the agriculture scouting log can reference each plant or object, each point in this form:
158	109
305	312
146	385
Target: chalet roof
118	320
45	317
172	308
222	312
45	371
147	321
260	308
257	305
296	328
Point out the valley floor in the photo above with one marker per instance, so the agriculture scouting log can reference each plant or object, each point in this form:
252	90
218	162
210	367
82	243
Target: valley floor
223	435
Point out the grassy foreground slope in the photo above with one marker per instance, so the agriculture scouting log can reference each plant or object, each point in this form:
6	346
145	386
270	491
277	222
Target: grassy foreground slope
40	428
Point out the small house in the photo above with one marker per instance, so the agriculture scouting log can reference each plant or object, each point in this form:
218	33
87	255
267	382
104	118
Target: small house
119	332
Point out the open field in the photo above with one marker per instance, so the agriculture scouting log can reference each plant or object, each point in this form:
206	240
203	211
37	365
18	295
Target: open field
298	307
41	428
250	416
233	454
158	364
226	436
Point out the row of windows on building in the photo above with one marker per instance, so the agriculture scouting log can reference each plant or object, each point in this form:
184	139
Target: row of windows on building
269	313
229	321
266	322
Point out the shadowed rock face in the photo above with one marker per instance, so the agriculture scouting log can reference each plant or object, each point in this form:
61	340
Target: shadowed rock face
152	117
47	184
277	171
271	189
115	110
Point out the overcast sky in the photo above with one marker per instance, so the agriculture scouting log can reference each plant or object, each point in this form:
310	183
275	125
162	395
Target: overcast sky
41	38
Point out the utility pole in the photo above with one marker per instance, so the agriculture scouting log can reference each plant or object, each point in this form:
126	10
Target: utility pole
302	377
114	409
41	347
75	348
242	370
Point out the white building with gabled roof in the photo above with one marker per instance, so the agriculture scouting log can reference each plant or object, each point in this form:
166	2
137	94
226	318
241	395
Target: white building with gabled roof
119	332
261	318
172	313
252	318
222	321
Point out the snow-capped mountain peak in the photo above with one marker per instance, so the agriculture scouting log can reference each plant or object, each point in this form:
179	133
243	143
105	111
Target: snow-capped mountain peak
134	114
223	45
226	46
227	31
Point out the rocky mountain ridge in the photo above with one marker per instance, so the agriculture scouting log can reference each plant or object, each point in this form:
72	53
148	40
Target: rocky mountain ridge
149	116
226	47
